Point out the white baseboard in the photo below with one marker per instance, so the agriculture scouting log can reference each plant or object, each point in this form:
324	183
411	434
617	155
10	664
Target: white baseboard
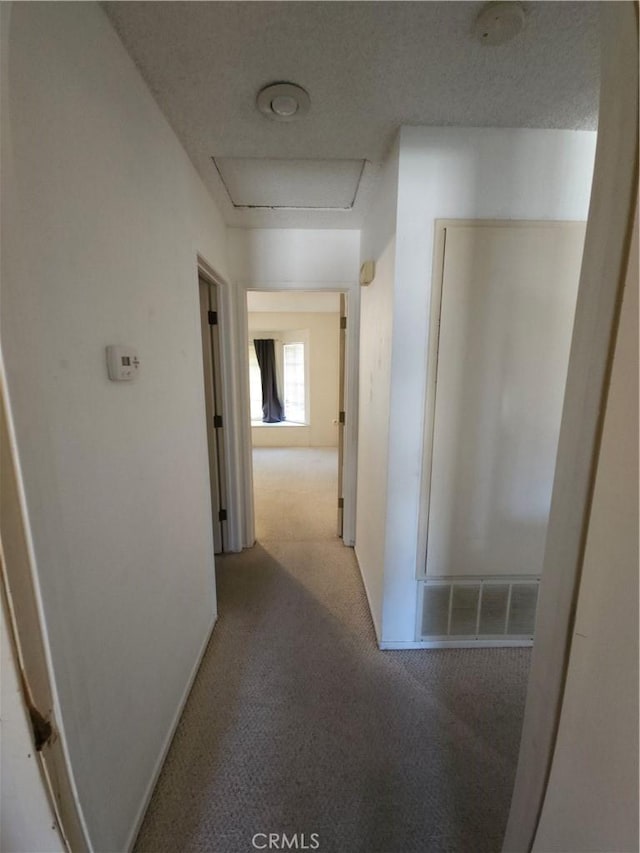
376	627
167	743
454	644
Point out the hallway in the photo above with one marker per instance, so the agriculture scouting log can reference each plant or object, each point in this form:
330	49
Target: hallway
297	723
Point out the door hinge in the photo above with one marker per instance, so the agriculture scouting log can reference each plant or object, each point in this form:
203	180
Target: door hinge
340	503
41	727
222	515
341	418
217	421
213	318
343	322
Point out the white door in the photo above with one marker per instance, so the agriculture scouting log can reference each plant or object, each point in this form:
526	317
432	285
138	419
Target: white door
506	318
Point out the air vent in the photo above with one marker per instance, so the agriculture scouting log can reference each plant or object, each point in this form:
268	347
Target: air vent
483	609
522	612
495	600
464	609
435	610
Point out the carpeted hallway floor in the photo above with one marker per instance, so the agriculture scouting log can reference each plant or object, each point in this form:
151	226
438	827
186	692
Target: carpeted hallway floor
297	723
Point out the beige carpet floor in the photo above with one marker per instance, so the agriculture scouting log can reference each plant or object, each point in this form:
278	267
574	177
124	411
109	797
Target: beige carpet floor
297	723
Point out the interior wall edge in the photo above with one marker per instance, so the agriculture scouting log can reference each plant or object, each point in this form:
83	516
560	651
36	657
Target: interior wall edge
375	615
614	192
36	635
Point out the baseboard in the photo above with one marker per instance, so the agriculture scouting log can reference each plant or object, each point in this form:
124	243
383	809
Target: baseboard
454	644
165	748
376	627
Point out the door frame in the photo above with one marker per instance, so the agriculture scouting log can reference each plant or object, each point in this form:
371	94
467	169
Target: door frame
350	394
230	381
440	235
214	410
342	406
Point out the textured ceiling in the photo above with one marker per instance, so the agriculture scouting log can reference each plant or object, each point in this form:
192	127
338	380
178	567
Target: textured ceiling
369	67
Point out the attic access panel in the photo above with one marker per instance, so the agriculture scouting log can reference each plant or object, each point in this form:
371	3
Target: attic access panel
286	184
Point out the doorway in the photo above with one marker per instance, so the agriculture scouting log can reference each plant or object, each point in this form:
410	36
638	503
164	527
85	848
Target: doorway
296	350
211	361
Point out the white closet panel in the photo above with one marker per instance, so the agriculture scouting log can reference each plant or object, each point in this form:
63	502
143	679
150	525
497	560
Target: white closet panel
507	310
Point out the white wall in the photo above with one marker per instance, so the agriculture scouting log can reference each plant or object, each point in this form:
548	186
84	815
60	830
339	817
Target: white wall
323	355
454	173
102	218
376	319
302	301
293	258
505	323
591	803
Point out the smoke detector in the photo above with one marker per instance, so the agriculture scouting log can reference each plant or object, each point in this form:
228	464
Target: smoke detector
499	22
283	101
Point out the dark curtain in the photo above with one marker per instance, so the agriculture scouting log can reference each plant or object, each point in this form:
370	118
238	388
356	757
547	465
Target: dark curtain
272	411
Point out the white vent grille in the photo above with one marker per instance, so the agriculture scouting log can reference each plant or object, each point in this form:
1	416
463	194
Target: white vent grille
483	609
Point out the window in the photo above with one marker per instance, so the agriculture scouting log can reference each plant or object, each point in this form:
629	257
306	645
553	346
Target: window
291	350
255	385
294	386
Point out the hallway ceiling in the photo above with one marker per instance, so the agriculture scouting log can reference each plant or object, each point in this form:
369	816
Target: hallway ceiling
369	67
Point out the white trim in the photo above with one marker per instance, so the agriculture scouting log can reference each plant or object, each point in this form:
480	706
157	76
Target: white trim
351	377
168	740
455	644
244	410
424	498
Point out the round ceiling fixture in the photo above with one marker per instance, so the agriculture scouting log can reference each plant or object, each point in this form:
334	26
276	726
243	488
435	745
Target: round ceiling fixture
283	101
499	22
